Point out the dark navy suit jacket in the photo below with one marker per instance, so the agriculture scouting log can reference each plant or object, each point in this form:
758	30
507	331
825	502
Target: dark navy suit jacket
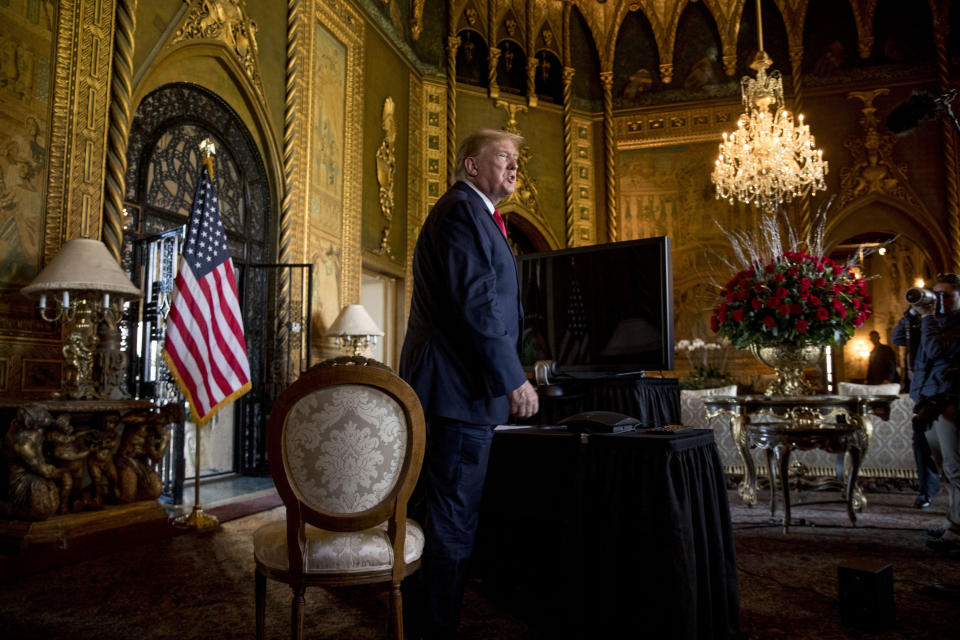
463	334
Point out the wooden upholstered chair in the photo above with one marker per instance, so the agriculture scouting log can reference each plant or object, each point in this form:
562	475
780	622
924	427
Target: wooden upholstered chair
346	444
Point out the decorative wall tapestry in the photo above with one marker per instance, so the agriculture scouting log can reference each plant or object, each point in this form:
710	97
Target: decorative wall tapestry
26	38
327	122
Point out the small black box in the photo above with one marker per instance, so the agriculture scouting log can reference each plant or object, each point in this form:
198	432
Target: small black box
866	594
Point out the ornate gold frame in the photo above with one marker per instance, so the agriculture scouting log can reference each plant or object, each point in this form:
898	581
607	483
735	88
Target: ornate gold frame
79	105
78	122
342	21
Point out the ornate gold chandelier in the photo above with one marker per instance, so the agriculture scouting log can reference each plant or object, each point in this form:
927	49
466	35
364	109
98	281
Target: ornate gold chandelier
769	159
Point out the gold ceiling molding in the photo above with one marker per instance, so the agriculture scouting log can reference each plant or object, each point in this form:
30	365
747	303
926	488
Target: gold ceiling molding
524	20
225	21
656	128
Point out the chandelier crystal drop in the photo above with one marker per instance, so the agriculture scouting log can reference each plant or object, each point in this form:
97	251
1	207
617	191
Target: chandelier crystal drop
770	158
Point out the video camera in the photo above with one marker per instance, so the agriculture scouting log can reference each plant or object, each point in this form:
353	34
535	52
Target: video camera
920	297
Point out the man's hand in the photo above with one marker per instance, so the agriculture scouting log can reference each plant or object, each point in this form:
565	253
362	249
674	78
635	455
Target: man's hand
524	401
925	309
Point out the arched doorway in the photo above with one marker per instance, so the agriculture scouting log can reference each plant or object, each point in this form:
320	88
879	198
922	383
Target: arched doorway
163	160
896	247
526	233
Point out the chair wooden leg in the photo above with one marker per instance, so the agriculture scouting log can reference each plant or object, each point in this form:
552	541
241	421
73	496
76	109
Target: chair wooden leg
296	613
396	608
260	588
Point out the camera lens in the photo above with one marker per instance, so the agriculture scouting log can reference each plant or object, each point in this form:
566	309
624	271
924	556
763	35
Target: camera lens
919	296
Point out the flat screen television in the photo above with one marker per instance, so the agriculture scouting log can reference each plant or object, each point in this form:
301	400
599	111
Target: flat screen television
602	310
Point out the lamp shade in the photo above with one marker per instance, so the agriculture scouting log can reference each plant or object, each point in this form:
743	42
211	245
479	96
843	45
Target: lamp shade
354	321
83	265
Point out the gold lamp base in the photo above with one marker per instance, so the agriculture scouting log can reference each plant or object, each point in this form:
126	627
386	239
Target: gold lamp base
197	520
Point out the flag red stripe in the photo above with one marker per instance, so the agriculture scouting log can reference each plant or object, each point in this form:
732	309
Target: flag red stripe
230	326
192	327
214	340
186	315
189	375
184	356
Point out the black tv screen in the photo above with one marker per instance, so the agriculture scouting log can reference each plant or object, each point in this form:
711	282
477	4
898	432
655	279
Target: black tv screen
598	310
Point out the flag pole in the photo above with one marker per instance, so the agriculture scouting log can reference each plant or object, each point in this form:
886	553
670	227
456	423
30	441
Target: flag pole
197	519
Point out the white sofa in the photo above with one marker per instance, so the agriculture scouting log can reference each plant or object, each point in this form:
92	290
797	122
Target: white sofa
890	454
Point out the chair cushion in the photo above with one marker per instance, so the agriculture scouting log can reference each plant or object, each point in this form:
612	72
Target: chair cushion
344	447
851	389
336	552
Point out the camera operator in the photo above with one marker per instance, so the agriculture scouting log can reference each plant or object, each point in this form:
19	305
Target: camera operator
907	334
935	389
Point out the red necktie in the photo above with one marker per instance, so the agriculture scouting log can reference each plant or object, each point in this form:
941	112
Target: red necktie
499	219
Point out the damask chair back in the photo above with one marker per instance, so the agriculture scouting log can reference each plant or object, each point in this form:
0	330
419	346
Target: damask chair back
345	443
891	447
693	413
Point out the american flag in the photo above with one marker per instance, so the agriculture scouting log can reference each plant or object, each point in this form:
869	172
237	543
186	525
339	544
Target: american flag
205	349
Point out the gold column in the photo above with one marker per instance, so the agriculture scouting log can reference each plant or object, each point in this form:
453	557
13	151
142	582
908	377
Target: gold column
119	130
532	81
493	89
796	60
453	42
606	77
287	203
940	32
531	48
568	73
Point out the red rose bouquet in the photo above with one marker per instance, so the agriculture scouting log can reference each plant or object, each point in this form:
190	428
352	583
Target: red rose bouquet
794	298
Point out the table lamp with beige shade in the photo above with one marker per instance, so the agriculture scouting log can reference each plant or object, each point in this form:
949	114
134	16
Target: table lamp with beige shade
355	329
84	287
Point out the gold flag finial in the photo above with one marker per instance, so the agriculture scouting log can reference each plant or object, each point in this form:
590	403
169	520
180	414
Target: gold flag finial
208	149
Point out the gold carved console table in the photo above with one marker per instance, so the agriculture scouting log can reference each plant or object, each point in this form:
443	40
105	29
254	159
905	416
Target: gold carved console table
75	467
780	424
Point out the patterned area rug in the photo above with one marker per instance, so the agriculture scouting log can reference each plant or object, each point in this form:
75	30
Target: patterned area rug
201	585
789	582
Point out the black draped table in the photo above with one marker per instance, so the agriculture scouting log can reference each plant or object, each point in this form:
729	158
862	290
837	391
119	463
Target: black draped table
623	535
655	402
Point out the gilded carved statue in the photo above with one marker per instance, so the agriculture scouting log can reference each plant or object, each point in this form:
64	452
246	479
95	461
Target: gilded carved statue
78	352
32	489
101	466
47	460
143	445
68	450
386	168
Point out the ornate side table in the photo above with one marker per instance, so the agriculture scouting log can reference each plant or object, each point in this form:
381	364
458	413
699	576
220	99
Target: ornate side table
780	424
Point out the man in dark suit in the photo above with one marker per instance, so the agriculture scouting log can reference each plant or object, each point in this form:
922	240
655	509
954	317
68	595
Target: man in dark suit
882	367
461	357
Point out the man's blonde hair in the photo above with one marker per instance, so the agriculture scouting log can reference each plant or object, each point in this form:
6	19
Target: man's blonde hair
474	143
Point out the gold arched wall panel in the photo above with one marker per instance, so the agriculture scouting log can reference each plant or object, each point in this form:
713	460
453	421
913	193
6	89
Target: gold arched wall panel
209	65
